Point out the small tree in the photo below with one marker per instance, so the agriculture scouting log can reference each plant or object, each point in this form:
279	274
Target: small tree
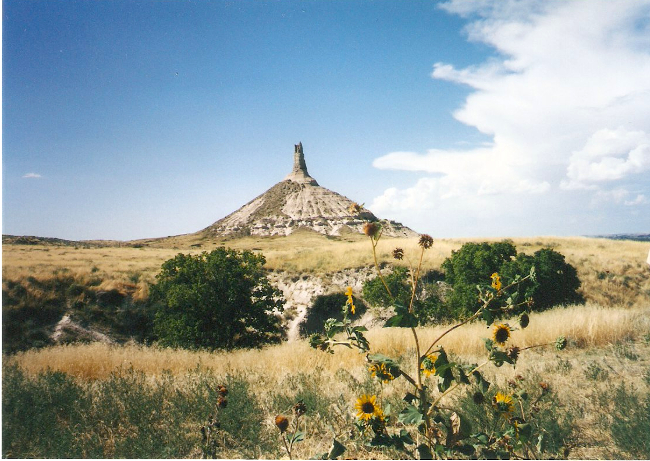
220	299
466	268
556	281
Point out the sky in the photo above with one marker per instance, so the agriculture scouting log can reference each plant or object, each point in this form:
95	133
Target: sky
126	119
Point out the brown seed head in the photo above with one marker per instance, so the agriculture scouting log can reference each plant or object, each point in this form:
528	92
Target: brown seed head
355	208
426	241
282	423
398	254
371	229
513	353
222	402
300	409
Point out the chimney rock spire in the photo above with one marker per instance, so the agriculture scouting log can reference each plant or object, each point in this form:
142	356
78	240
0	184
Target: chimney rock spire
299	172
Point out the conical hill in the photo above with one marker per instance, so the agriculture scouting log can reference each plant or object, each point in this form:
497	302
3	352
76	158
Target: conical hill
299	202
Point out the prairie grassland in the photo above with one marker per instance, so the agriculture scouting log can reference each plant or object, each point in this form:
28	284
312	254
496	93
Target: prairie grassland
586	327
613	272
607	347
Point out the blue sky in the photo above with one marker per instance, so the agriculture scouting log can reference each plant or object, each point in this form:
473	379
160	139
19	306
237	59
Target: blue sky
128	119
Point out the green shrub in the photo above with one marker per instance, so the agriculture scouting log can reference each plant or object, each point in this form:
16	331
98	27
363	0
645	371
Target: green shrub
627	417
427	305
469	266
220	299
41	417
551	420
326	307
128	415
556	281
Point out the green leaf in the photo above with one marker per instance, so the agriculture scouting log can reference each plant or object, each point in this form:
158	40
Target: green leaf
402	318
466	450
424	452
410	397
524	430
410	415
499	357
381	358
482	383
482	437
336	450
406	437
487	316
297	437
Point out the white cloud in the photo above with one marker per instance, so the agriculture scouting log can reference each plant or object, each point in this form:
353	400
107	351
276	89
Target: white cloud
32	175
567	103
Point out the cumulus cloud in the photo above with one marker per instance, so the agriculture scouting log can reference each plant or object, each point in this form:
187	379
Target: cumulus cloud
32	176
565	99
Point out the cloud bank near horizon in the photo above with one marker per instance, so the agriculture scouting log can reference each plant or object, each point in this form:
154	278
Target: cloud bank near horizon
566	102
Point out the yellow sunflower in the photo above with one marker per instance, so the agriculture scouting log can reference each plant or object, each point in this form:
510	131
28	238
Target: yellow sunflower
501	333
348	293
380	371
503	403
427	365
496	281
367	407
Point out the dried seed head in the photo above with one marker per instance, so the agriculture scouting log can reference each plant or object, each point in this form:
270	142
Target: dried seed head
355	208
513	353
222	390
426	241
222	402
398	254
300	408
282	423
371	229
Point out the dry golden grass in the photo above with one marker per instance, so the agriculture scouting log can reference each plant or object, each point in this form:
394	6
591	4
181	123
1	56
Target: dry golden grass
585	326
612	272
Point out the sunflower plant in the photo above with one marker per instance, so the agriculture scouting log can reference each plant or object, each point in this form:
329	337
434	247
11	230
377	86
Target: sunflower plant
427	427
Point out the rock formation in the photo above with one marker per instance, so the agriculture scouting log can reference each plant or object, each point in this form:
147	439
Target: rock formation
299	202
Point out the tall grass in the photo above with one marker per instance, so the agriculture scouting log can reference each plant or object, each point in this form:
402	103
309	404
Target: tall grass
585	326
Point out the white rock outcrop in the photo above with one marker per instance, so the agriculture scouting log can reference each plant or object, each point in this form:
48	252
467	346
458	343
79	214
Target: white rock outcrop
299	202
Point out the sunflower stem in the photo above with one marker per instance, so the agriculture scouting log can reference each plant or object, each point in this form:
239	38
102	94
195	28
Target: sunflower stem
476	314
441	396
381	277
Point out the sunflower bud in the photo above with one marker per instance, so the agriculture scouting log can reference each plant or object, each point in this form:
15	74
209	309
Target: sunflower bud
524	320
282	423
